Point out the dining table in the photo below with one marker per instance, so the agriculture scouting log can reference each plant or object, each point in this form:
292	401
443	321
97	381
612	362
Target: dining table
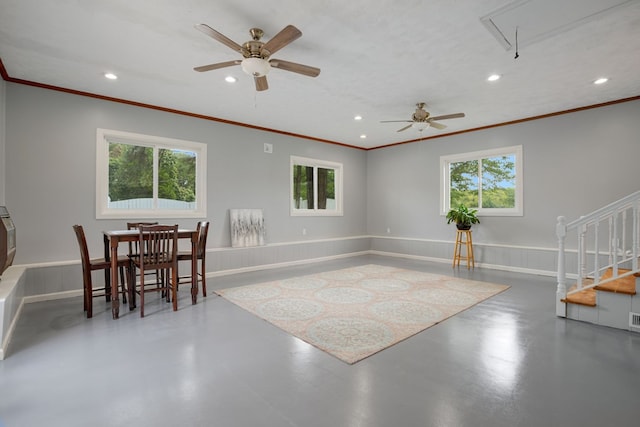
113	238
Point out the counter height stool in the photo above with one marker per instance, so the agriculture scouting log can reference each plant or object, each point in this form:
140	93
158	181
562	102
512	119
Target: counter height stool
134	248
93	264
161	250
134	251
201	251
463	238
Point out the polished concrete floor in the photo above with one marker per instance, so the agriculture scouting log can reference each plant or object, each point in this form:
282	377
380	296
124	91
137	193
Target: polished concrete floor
508	361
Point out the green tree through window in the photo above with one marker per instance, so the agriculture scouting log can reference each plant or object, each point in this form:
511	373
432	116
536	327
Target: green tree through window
490	181
464	183
145	176
315	187
177	171
131	173
498	182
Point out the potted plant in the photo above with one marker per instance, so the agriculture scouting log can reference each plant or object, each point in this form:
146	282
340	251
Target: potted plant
463	217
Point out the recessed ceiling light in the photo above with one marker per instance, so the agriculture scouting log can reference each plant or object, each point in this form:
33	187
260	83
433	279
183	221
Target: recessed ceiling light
363	136
358	117
600	80
230	79
493	77
110	76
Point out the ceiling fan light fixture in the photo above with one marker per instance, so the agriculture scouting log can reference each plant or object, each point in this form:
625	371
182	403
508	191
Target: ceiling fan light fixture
420	126
256	67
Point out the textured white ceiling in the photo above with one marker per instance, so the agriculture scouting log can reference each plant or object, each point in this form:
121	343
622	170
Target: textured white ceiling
378	59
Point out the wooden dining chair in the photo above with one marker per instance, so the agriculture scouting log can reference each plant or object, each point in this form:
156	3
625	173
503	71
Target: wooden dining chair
134	246
161	253
92	264
201	252
134	250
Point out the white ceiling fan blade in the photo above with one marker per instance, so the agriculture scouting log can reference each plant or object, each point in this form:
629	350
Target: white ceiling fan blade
305	70
210	67
219	37
437	125
283	38
448	116
261	83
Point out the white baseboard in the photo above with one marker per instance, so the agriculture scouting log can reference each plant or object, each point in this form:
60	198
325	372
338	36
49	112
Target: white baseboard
381	253
53	296
479	265
283	264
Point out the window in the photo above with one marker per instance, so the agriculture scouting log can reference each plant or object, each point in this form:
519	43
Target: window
142	176
316	187
489	181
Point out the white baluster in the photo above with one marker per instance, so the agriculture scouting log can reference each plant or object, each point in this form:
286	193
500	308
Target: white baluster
611	240
615	243
596	260
623	247
561	292
636	240
582	255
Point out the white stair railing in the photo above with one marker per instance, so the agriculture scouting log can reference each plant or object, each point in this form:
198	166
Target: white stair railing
606	238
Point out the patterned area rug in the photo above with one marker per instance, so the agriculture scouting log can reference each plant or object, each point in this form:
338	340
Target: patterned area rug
355	312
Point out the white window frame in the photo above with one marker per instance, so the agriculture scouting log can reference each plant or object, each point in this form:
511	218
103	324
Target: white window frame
315	163
106	136
445	187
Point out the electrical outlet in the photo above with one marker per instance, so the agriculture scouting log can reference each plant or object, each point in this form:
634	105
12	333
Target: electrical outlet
268	148
388	231
304	231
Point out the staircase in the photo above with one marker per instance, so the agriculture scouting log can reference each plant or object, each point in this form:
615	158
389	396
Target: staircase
603	260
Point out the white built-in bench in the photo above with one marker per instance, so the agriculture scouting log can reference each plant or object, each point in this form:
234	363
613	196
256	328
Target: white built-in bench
12	291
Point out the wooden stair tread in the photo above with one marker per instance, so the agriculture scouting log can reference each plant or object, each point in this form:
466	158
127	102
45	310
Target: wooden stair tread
585	297
625	285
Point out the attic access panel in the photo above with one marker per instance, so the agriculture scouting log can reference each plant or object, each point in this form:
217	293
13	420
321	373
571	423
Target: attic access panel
539	19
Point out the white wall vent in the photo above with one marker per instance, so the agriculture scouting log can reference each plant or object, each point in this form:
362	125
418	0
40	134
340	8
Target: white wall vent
634	320
539	19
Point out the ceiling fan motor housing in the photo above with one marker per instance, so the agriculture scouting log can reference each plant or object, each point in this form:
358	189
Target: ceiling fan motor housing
256	67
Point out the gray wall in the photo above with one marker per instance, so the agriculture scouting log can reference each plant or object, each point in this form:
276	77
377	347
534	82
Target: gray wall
3	91
50	174
573	164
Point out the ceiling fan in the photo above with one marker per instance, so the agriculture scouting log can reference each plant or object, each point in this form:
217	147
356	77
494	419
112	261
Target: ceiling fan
256	54
421	119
